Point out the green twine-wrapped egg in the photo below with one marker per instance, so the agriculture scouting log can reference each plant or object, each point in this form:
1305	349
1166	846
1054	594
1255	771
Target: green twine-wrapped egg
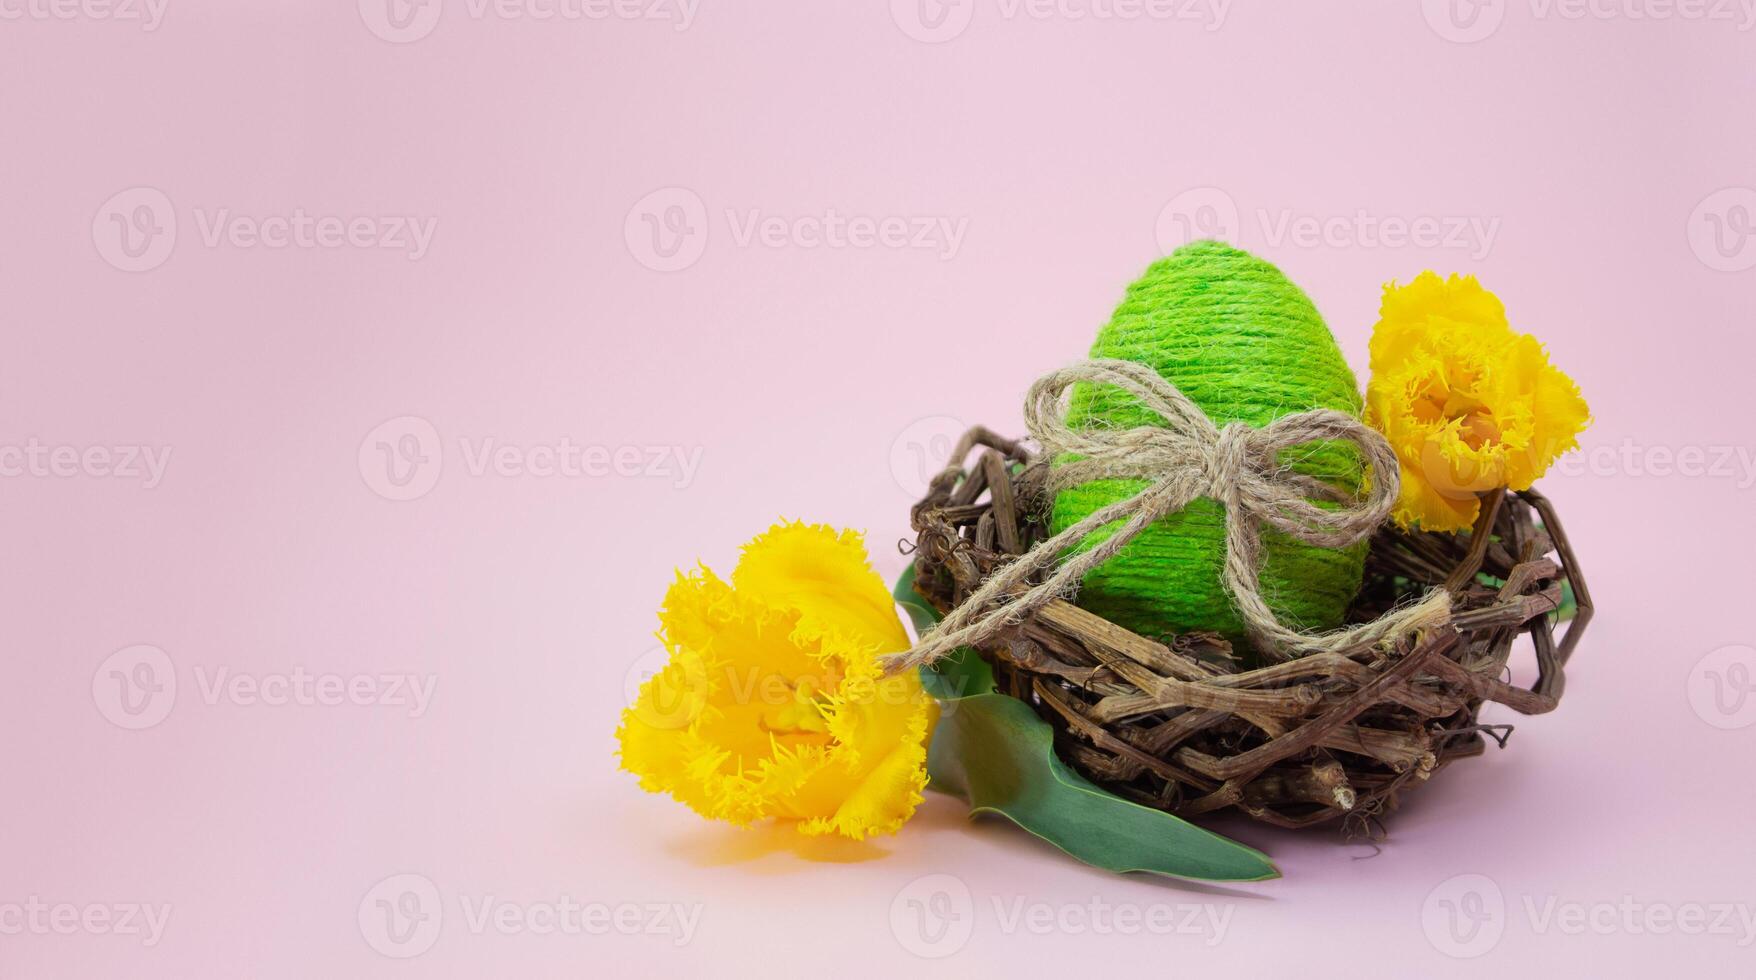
1244	343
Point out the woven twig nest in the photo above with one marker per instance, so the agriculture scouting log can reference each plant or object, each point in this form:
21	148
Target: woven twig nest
1190	725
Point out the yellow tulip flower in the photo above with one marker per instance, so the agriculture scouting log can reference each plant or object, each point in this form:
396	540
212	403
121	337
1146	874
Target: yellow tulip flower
1468	405
773	703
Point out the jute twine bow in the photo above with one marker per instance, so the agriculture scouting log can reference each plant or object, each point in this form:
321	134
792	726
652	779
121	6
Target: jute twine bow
1185	458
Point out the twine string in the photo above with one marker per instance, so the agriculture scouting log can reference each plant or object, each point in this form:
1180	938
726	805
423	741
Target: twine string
1185	458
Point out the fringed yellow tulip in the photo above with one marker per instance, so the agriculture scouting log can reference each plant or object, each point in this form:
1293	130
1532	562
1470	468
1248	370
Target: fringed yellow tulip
773	703
1468	405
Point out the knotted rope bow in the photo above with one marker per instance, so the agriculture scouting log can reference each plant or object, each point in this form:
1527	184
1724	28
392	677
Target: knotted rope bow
1186	458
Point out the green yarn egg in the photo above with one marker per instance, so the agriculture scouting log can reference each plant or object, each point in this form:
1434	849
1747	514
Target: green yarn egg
1245	344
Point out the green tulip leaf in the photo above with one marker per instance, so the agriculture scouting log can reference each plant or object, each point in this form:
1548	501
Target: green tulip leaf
962	674
995	753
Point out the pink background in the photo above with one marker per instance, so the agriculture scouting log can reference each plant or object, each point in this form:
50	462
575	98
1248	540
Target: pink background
809	379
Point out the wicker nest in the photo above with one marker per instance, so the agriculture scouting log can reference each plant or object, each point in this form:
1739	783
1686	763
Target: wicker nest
1186	724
